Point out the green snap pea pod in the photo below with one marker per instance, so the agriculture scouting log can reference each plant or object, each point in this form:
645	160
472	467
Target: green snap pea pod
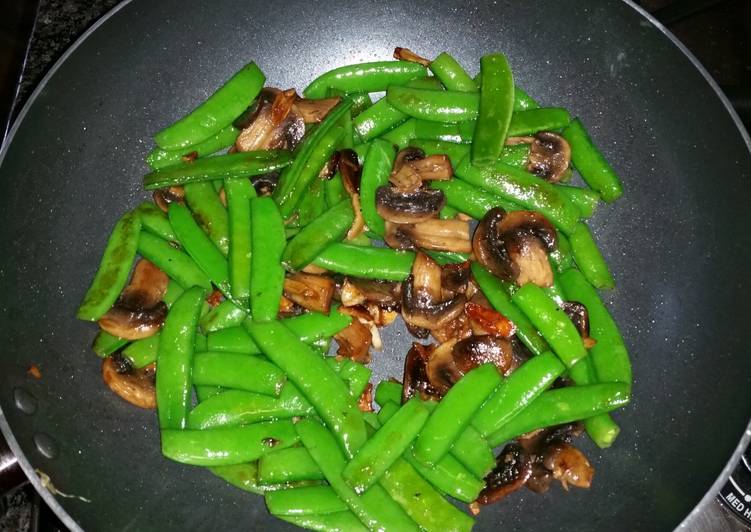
494	290
198	245
377	120
309	500
175	263
334	522
237	407
241	476
357	375
200	345
427	507
585	199
320	385
494	111
523	188
561	258
314	326
144	351
232	340
434	105
334	190
310	157
375	508
401	135
375	174
112	275
159	158
361	101
385	446
239	192
454	413
209	212
589	259
451	74
105	344
361	240
455	133
155	221
609	356
365	77
555	292
204	393
175	359
517	391
312	204
591	164
318	157
448	475
447	213
288	465
455	152
266	271
225	314
471	200
368	263
428	82
515	155
564	405
227	445
448	257
600	428
471	449
232	165
219	109
329	227
218	185
535	120
523	101
388	391
237	371
554	325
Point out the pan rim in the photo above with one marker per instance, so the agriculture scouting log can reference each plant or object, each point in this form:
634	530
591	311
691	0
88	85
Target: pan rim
7	432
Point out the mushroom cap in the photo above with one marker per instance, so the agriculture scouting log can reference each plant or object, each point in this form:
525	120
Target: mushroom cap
513	469
415	379
514	246
549	156
137	386
408	207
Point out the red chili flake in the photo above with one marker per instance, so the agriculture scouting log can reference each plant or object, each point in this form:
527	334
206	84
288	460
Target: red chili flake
34	371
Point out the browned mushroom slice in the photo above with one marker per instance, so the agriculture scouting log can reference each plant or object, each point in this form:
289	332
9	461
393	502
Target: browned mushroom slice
433	167
329	169
412	167
265	184
439	235
455	278
288	308
396	238
365	401
384	294
354	340
568	465
164	196
349	167
578	314
456	329
276	125
405	54
313	111
137	386
358	223
407	208
514	246
441	368
549	156
139	311
485	320
313	292
415	378
421	296
512	470
514	141
478	350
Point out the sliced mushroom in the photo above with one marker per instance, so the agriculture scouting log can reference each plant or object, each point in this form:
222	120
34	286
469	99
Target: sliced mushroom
265	184
418	332
139	311
568	465
396	238
276	124
406	208
349	167
384	294
288	308
412	168
453	359
358	223
514	246
456	329
405	54
438	235
365	401
313	111
164	196
549	156
441	368
487	321
512	470
137	386
421	296
354	340
455	278
313	292
415	379
578	314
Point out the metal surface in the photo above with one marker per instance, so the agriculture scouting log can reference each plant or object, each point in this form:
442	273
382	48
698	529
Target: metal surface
676	242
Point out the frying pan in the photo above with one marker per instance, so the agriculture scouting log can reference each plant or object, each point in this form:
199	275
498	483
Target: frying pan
678	242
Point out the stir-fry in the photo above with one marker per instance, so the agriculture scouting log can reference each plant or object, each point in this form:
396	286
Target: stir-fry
264	275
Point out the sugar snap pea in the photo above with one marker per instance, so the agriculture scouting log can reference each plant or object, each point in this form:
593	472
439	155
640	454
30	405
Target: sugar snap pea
225	314
494	111
540	119
239	192
375	174
472	201
175	263
238	407
585	199
241	476
451	73
154	220
159	158
589	259
143	352
237	371
333	522
365	77
434	105
369	263
308	500
288	465
209	212
388	391
266	272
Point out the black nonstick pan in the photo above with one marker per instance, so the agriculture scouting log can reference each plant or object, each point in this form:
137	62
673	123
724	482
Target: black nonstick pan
679	242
